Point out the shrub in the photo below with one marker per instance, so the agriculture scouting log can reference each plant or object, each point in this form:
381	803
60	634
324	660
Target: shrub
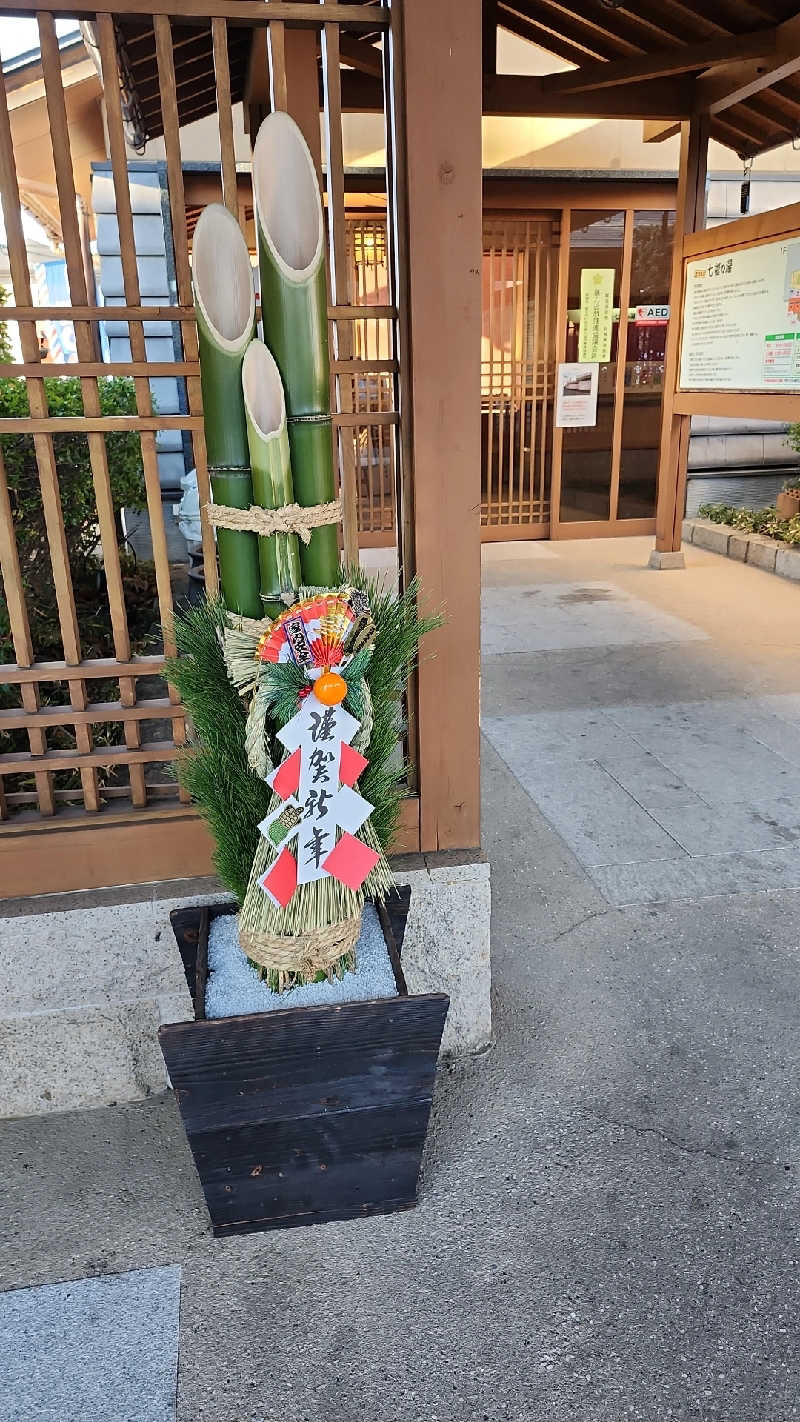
6	353
754	521
79	511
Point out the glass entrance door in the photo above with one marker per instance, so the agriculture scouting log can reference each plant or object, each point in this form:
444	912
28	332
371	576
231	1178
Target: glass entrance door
604	476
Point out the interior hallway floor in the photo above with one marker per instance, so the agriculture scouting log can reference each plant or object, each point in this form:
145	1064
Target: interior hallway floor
608	1223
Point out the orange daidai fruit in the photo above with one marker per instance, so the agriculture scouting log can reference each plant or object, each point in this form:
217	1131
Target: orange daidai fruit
330	688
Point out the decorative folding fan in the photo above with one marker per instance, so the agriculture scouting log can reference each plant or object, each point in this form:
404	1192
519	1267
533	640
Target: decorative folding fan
321	632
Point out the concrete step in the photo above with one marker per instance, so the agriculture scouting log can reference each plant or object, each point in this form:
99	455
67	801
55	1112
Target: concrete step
84	991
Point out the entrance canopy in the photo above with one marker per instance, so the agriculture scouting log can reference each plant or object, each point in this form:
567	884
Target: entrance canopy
659	61
735	60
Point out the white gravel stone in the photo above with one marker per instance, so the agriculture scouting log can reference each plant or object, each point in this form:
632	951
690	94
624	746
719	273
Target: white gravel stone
234	987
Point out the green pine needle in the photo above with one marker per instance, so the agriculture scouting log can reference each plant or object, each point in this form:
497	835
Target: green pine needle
214	769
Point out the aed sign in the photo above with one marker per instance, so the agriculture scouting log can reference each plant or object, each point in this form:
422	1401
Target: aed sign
651	315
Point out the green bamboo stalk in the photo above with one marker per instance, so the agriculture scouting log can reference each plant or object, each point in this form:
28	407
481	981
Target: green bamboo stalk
268	440
294	309
225	308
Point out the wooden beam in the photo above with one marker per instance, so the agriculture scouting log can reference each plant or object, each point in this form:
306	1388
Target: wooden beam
675	427
239	12
562	29
760	405
683	59
489	45
120	847
302	88
526	95
359	55
517	24
361	93
743	231
656	130
256	101
734	83
73	854
443	245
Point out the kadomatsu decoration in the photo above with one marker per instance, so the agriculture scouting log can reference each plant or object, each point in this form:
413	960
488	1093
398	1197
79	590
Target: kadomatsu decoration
318	854
293	679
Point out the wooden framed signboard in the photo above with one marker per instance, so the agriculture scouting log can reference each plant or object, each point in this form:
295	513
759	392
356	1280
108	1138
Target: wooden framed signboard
740	319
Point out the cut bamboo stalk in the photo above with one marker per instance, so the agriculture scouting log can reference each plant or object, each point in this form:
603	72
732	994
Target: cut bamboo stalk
294	305
268	439
225	306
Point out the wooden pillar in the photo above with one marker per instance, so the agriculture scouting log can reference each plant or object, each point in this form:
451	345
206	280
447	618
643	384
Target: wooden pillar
256	84
442	159
690	215
302	87
295	81
490	37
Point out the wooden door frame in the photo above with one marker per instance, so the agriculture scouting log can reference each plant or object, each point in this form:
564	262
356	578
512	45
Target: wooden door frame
612	197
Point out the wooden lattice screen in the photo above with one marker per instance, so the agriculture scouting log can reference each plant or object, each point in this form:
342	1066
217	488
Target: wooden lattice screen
92	732
372	389
520	268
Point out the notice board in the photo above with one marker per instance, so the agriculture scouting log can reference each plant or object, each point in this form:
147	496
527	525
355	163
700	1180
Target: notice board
741	319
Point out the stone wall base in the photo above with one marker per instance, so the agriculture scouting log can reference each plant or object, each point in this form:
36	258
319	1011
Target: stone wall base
753	548
88	978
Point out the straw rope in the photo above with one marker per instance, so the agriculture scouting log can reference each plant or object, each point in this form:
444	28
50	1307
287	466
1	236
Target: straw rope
304	954
289	519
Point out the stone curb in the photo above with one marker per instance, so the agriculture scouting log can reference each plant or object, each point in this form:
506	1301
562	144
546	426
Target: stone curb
754	548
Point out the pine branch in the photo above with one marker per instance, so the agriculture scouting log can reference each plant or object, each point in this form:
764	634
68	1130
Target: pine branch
214	768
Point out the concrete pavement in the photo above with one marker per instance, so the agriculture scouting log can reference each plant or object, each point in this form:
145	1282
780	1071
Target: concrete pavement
608	1226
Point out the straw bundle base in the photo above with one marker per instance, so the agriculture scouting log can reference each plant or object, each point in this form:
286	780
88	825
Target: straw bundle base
286	960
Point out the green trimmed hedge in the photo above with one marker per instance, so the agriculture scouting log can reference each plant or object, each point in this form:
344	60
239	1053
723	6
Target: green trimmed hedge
766	521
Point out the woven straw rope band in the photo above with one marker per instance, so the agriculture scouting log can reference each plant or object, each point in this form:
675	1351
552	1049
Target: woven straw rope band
290	519
307	953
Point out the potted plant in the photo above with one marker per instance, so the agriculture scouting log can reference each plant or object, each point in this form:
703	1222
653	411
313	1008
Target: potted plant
305	1081
788	501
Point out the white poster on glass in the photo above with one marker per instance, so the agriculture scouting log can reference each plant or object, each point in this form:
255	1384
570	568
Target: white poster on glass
576	395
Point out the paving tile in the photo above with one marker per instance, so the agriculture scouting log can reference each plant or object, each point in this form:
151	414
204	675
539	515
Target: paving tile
698	877
96	1350
601	822
780	812
570	734
641	773
716	784
715	756
552	616
704	829
783	704
781	733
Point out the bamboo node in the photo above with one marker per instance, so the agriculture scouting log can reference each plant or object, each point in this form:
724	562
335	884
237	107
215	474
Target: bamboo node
289	519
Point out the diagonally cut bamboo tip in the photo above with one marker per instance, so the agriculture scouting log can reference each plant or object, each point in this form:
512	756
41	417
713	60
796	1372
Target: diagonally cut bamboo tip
287	195
263	389
222	276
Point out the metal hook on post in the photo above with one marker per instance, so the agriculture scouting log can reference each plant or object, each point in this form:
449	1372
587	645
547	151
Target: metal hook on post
744	200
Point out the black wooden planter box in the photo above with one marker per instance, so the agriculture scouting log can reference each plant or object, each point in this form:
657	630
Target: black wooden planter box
308	1113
